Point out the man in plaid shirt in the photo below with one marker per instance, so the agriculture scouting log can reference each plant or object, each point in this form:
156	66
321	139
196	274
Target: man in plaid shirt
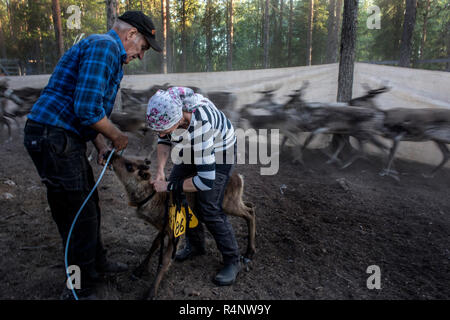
73	109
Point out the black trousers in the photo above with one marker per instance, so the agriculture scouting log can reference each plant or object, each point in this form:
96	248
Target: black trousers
60	159
208	209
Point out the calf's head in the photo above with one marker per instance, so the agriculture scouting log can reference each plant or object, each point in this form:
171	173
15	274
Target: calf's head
135	176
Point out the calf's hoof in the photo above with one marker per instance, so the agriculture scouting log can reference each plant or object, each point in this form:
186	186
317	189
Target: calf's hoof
390	173
246	263
149	295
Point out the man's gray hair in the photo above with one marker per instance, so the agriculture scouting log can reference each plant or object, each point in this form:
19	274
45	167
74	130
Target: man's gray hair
121	25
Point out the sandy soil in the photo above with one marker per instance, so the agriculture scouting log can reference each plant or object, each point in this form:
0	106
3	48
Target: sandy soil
314	241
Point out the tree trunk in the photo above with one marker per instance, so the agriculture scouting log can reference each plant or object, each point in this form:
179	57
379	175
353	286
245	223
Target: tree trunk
164	31
336	31
408	30
447	42
266	34
310	33
280	48
348	46
347	62
330	29
273	33
208	32
424	29
10	19
2	41
56	10
230	35
257	28
169	45
40	51
183	36
111	13
289	38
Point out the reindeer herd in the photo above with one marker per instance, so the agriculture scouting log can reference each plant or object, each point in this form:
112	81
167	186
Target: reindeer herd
360	118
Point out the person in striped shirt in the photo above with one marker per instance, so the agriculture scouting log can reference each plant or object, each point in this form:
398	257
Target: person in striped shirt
204	144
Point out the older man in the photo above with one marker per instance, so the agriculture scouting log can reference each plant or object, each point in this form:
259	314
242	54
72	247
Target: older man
74	109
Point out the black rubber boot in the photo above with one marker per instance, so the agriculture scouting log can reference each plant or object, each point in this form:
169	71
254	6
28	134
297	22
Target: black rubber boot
82	294
189	251
89	281
107	266
228	274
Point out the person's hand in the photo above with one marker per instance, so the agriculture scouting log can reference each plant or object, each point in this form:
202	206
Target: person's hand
111	132
160	176
101	159
120	141
160	186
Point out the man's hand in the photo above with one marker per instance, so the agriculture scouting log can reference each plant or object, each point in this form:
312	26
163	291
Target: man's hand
160	186
101	160
110	131
102	149
120	141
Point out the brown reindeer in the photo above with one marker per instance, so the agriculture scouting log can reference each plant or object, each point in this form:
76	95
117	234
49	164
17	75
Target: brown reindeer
333	118
150	206
407	124
7	116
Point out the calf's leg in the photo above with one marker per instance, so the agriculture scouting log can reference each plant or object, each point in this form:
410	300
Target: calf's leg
446	156
144	264
162	269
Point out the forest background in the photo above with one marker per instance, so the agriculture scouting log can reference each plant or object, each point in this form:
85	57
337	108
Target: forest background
221	35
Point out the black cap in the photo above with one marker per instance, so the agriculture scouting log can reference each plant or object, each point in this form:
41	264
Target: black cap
144	25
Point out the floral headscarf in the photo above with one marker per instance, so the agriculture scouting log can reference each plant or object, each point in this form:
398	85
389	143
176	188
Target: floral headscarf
166	108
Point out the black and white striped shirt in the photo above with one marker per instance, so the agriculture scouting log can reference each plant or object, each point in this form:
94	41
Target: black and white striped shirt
209	132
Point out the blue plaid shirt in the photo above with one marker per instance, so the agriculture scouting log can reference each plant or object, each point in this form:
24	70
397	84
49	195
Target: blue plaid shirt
83	86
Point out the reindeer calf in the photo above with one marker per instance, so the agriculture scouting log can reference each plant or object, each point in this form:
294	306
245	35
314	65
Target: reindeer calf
135	176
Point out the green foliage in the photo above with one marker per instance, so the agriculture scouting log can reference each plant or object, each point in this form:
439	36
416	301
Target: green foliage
28	32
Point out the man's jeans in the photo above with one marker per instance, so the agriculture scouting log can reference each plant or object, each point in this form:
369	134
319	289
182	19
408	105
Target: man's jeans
60	159
208	209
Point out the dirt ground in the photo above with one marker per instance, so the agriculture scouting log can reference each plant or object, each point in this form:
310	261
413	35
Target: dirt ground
314	241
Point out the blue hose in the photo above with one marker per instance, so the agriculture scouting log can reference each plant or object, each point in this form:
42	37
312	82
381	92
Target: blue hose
75	220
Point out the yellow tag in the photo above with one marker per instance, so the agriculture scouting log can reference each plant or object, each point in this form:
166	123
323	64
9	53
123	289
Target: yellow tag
177	220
